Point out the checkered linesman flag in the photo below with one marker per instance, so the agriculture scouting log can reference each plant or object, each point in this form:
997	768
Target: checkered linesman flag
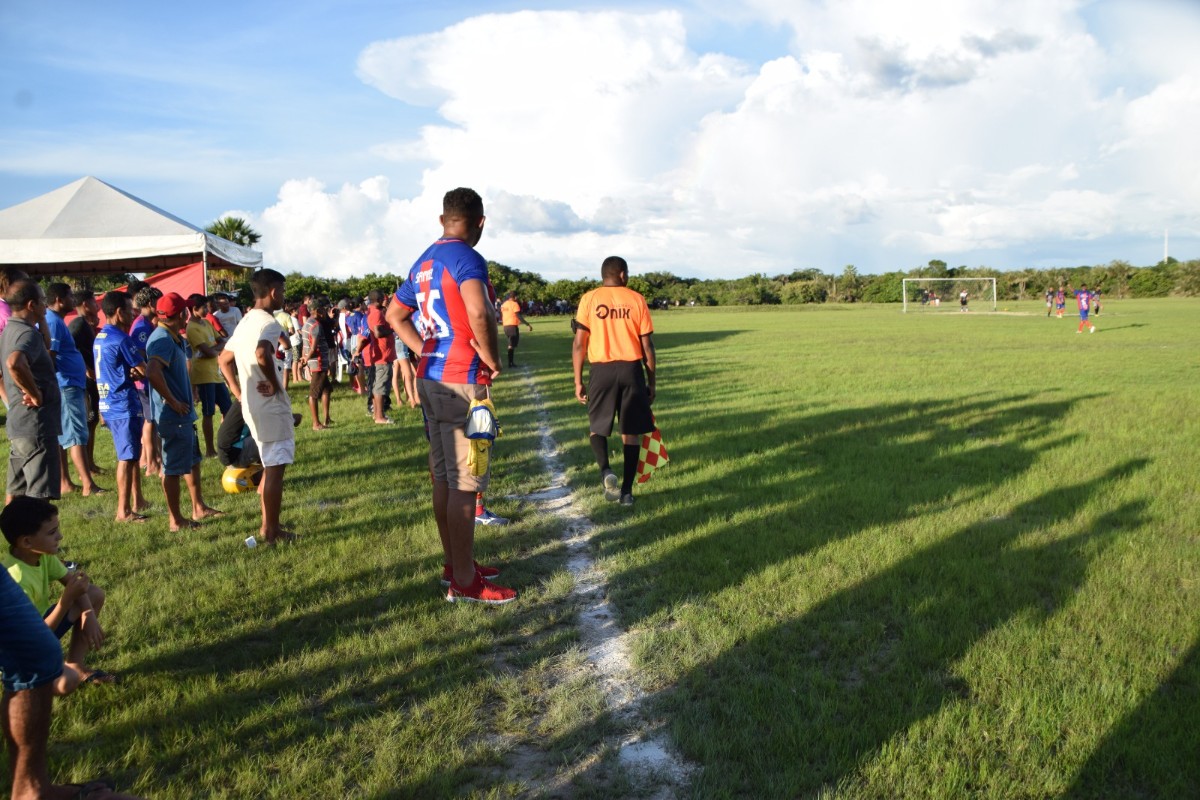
652	455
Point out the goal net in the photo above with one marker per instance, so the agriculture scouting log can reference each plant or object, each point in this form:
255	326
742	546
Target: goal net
945	294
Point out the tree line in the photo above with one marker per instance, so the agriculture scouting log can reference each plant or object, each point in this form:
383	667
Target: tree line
1117	279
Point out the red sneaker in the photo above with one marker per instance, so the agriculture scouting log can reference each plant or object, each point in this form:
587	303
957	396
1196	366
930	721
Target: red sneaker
487	572
481	591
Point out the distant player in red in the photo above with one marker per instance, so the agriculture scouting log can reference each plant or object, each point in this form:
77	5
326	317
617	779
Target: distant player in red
1083	299
1060	301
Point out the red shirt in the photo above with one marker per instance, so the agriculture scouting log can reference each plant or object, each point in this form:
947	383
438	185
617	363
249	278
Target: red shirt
379	350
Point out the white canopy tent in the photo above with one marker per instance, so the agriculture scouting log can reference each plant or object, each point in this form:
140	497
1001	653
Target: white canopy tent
90	227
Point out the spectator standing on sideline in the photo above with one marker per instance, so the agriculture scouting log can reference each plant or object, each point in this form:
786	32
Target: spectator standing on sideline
510	312
72	386
206	376
145	299
228	315
34	411
613	330
288	355
379	351
9	276
253	374
118	362
317	355
448	287
167	354
83	328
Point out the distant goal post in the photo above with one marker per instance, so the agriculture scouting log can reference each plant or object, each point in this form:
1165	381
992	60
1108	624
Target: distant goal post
915	294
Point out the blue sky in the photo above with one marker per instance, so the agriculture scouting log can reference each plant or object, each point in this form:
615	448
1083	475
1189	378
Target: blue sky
709	139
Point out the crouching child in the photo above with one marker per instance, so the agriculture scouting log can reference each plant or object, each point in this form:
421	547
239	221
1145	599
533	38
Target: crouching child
30	526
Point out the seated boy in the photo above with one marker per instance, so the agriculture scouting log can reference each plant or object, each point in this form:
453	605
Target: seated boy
30	524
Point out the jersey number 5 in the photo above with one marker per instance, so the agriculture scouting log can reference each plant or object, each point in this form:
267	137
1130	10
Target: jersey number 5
427	301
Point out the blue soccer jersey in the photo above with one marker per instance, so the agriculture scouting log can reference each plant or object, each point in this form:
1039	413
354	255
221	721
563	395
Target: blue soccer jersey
116	353
432	293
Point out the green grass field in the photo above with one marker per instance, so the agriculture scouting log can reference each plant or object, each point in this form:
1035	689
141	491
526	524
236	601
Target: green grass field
933	555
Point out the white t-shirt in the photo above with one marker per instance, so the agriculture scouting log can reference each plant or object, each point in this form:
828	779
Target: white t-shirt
269	418
229	319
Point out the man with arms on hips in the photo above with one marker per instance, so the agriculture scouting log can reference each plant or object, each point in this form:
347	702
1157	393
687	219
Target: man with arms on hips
448	288
174	414
255	377
510	312
118	362
34	411
206	376
72	386
614	332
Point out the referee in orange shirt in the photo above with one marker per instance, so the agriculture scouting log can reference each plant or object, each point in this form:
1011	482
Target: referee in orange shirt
614	332
512	318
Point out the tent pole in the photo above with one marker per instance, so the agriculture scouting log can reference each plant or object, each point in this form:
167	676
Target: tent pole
204	264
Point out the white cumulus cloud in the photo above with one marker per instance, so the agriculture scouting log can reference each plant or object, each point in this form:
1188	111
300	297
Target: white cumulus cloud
888	134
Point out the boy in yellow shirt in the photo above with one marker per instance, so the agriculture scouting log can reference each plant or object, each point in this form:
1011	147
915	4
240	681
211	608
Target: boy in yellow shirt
30	524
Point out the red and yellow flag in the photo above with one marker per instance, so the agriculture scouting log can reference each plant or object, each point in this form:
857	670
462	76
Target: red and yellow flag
653	455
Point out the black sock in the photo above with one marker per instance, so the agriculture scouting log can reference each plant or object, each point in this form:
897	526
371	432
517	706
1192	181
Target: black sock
510	363
600	448
632	451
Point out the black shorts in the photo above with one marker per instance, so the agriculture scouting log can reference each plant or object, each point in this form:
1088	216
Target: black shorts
513	334
93	398
619	387
318	384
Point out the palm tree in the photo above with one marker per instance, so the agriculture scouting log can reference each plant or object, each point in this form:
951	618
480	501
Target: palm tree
236	230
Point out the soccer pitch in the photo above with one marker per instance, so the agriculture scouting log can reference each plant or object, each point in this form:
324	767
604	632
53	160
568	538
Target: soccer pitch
923	555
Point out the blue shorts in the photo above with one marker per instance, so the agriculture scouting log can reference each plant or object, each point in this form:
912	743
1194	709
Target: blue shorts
63	627
30	656
127	437
1083	315
74	417
180	447
212	397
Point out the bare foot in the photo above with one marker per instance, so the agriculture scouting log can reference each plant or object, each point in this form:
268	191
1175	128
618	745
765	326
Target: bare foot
320	427
283	537
204	512
182	524
328	422
142	505
68	488
94	490
132	517
96	470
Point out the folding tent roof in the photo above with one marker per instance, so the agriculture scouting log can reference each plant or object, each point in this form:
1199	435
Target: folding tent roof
90	227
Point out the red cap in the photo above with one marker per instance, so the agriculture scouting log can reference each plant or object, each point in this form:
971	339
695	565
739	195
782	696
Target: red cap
171	304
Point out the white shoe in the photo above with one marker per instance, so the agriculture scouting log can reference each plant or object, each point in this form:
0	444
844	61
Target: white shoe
1092	329
488	518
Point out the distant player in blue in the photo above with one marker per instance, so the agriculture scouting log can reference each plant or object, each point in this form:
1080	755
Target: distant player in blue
1060	301
1083	299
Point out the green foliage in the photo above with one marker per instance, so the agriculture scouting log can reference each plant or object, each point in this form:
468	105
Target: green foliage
800	292
1153	282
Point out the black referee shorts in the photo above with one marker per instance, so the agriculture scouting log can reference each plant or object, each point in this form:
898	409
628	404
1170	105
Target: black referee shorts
619	388
513	334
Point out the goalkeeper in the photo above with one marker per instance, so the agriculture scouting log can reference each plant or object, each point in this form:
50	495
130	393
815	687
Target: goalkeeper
613	331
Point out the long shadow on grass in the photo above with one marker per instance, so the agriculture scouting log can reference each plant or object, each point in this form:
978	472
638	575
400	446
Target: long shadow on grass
367	646
1155	751
803	705
801	481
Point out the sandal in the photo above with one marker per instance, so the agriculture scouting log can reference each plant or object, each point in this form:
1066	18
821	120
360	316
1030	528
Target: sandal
101	678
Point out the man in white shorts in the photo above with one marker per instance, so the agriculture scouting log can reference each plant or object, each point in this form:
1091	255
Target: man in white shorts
254	376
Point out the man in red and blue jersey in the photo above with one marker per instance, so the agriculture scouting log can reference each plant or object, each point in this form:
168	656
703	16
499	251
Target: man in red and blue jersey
1060	301
448	290
1083	299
